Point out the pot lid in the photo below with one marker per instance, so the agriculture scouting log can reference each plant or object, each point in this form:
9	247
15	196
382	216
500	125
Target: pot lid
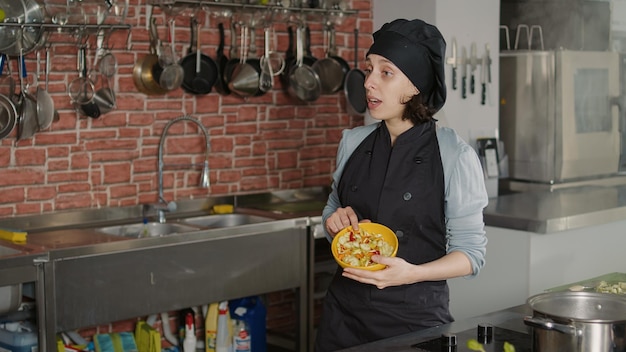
589	307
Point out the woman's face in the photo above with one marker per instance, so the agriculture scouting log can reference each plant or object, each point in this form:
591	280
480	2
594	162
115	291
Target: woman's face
387	88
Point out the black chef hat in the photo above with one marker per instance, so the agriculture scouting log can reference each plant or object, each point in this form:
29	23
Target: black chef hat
418	49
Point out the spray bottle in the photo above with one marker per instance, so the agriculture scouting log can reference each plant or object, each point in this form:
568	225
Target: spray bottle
224	341
189	343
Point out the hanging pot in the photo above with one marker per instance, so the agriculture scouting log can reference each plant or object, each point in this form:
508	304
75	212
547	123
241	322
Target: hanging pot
200	71
143	69
354	85
577	321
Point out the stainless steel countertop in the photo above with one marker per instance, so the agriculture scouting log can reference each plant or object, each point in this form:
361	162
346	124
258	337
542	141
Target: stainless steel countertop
547	211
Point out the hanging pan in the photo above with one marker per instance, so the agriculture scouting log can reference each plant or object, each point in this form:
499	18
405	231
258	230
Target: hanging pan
143	69
354	86
200	71
332	69
221	60
304	83
8	113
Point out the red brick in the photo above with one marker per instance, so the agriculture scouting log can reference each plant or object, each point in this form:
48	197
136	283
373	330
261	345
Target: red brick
116	173
39	193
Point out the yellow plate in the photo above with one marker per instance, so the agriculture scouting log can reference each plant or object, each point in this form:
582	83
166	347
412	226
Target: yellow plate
388	235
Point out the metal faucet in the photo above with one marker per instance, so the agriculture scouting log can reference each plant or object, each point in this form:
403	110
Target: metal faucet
163	205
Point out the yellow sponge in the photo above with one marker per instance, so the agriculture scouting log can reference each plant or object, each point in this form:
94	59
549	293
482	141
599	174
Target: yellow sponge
223	208
14	236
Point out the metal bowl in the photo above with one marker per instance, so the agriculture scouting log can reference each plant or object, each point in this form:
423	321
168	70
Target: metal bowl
27	37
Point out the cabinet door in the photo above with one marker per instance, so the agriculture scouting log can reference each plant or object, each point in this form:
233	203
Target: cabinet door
96	289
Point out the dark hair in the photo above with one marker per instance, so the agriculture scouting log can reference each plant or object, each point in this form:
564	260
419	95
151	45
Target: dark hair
417	111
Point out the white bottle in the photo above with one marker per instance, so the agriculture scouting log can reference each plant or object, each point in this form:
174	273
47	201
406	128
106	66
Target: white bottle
224	341
189	343
241	338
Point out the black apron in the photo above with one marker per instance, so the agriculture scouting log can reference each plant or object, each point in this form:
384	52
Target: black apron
403	188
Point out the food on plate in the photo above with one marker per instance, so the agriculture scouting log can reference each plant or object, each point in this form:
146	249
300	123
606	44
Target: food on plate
356	248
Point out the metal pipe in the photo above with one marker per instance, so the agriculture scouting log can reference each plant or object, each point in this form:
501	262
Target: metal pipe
204	178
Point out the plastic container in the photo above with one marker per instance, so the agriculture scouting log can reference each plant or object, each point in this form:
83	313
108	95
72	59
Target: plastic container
241	337
189	343
224	340
18	337
255	316
210	328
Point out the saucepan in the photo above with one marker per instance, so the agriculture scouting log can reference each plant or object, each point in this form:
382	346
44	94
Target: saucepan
143	76
577	321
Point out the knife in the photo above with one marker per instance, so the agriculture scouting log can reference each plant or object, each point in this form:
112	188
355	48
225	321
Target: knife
485	74
452	60
473	64
463	73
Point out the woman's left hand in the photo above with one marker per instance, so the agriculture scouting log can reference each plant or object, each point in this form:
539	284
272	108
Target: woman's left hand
398	272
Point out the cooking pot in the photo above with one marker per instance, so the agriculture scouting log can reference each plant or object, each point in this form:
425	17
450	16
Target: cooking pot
577	321
14	38
143	76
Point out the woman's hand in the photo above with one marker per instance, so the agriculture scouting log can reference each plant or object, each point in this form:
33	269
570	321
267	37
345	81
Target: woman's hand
342	218
398	272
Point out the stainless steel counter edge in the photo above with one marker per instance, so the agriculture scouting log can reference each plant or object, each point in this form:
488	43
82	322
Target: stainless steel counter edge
557	210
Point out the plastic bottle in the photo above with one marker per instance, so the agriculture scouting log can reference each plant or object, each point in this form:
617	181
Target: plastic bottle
210	328
189	343
241	338
224	340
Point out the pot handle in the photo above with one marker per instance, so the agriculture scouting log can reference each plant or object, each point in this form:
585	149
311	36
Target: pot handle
548	324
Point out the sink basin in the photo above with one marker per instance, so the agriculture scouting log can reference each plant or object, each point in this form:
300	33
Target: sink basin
151	229
7	251
225	220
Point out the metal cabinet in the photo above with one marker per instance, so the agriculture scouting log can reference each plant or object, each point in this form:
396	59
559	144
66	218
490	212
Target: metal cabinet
108	282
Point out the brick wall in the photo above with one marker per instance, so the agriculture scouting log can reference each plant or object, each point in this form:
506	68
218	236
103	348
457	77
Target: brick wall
261	143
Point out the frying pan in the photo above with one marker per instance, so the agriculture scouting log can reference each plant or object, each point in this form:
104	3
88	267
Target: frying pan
354	86
221	60
142	70
304	83
332	69
200	71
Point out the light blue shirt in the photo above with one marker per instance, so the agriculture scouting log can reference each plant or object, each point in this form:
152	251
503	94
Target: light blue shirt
465	193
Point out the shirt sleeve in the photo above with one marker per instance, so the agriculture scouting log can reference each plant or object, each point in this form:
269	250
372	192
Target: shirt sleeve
466	197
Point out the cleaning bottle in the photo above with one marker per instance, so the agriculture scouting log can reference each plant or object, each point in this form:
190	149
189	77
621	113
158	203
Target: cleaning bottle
189	343
210	328
241	338
224	340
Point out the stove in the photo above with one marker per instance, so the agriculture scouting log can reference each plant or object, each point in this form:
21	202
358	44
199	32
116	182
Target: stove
492	338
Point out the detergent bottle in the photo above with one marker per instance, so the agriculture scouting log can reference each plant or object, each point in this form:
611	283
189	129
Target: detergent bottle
224	340
210	328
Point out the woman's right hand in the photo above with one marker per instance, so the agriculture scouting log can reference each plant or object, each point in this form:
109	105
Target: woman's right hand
342	218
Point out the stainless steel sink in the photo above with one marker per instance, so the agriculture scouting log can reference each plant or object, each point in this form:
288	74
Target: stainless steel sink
151	229
8	251
225	220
